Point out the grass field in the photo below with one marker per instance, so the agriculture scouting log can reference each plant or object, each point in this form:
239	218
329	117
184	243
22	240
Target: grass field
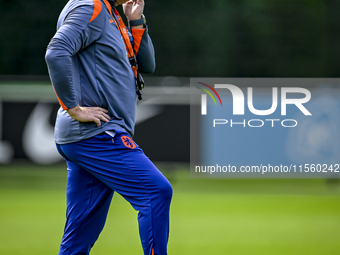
208	216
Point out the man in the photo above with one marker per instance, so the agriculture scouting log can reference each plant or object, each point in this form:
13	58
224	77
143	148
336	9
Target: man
93	71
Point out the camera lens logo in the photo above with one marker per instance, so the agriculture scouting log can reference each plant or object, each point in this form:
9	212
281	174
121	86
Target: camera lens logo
239	101
204	97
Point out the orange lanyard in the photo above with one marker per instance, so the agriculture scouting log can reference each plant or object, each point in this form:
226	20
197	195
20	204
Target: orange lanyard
125	35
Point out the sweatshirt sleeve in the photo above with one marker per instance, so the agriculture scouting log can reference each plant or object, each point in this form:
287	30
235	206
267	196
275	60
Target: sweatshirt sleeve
79	29
144	50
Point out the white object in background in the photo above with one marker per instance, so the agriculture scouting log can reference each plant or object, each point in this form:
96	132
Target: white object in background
38	136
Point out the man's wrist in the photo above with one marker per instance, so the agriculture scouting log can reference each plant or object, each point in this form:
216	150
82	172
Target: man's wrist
138	27
73	110
137	23
139	16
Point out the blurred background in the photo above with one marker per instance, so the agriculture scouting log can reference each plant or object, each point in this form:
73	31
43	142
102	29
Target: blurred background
212	38
262	38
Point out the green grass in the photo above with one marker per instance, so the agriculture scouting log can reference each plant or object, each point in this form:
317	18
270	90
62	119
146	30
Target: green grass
208	216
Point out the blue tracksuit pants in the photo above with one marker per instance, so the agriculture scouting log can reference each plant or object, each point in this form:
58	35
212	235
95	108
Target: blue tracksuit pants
96	168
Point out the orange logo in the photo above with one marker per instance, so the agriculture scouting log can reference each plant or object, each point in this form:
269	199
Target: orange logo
128	142
111	20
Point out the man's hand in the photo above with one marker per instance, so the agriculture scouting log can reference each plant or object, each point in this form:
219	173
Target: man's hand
133	9
89	114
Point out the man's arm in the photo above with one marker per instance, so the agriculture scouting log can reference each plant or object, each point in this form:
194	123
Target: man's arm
143	46
144	50
78	30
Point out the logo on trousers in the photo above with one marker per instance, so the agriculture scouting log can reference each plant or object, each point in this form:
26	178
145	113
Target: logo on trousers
128	142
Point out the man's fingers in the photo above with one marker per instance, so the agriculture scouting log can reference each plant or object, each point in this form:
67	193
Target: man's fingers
106	116
100	118
97	121
99	109
95	114
100	115
127	4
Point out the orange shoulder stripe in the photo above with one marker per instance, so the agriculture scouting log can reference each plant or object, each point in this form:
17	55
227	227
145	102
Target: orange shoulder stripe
96	10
